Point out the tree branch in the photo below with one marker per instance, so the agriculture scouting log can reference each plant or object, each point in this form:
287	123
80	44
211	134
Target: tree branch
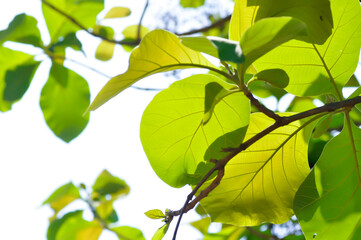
281	121
74	21
141	19
218	23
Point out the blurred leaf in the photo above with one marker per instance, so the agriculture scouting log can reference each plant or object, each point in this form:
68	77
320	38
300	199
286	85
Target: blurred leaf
227	233
300	104
62	197
106	211
126	232
327	203
76	228
275	77
352	82
264	90
181	157
118	12
105	50
131	33
159	51
155	214
225	50
104	31
70	40
200	210
106	184
322	126
202	225
159	234
56	224
356	93
16	71
23	29
266	34
191	3
64	99
84	12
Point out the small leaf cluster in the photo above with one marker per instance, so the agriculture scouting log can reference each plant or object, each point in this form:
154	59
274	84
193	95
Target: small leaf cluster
72	225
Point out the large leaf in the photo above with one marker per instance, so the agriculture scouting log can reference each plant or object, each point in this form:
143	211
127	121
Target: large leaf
63	196
267	34
260	183
84	12
64	99
316	69
327	204
22	29
16	72
159	51
318	18
174	138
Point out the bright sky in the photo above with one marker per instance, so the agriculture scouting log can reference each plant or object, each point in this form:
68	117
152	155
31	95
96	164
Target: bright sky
34	162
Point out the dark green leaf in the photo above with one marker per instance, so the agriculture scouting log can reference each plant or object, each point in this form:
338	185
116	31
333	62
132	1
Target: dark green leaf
70	40
22	29
64	99
352	82
126	232
106	184
56	224
276	77
322	126
63	196
264	90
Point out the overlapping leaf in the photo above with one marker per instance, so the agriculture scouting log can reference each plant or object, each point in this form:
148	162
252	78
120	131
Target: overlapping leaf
174	138
327	204
159	51
63	196
260	183
316	69
64	99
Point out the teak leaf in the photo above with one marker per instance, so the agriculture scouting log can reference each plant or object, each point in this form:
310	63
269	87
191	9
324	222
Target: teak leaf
176	142
159	51
107	184
275	77
155	214
64	99
322	126
260	183
225	50
327	204
317	69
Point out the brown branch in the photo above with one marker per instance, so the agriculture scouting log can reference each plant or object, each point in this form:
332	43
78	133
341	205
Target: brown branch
282	121
75	22
218	23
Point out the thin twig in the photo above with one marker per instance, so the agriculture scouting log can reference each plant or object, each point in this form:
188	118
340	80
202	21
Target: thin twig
218	23
140	21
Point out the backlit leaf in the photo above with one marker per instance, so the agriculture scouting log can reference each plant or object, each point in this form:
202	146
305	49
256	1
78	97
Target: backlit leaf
84	12
225	50
63	196
322	126
276	77
191	3
159	51
318	18
106	184
105	50
327	204
126	232
55	225
155	214
64	99
159	234
23	29
106	211
260	183
177	144
316	69
118	12
202	225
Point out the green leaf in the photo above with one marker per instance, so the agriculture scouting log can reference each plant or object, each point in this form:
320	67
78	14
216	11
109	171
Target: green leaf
64	99
106	211
126	232
176	142
352	82
159	51
202	225
327	204
276	77
105	50
159	234
214	94
16	71
226	233
318	69
318	18
131	32
300	104
107	184
155	214
104	31
356	93
322	126
55	225
76	228
118	12
225	50
266	34
84	12
23	29
191	3
70	40
260	183
264	90
62	197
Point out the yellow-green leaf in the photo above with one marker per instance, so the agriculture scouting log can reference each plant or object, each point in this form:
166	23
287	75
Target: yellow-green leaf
177	144
159	234
159	51
118	12
260	183
155	214
107	184
126	232
322	126
276	77
105	50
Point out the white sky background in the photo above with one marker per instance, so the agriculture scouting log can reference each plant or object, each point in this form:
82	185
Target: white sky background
34	162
